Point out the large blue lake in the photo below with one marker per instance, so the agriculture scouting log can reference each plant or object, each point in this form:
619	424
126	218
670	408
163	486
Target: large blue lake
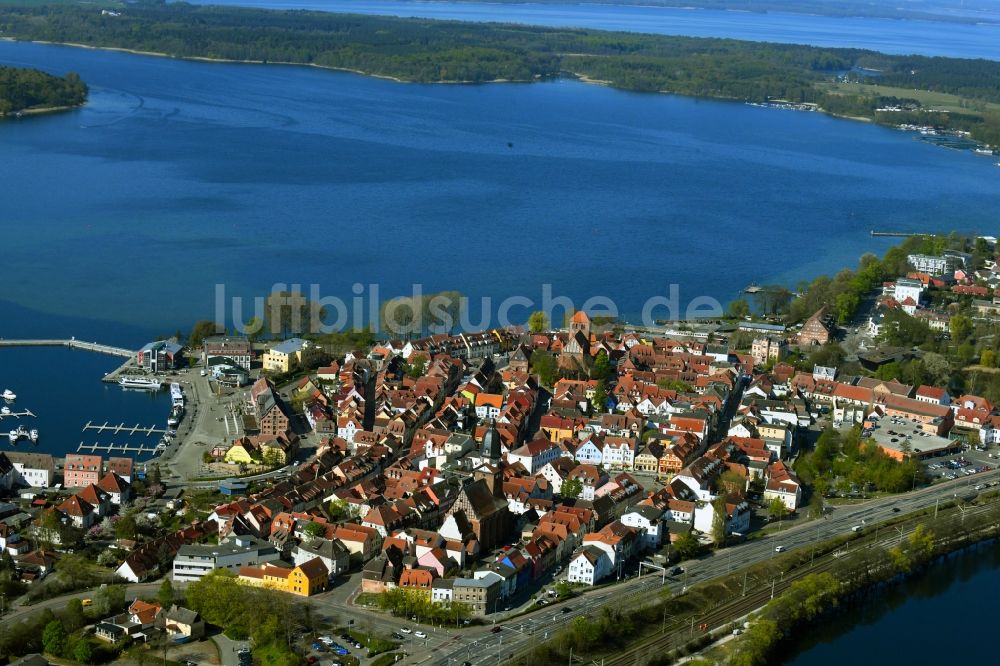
120	219
936	38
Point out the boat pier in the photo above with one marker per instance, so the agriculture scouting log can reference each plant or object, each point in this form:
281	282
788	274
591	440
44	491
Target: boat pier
17	415
116	448
122	428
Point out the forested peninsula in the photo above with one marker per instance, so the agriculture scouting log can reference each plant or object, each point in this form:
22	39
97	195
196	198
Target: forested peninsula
31	90
841	81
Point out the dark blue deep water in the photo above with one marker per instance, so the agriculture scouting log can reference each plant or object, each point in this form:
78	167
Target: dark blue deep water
119	219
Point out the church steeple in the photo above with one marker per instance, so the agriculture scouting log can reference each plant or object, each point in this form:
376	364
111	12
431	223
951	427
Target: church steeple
491	446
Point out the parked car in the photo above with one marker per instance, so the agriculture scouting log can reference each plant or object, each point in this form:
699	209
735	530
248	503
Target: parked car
420	634
406	630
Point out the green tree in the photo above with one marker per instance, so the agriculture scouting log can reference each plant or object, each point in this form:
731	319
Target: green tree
988	358
732	482
418	368
777	509
73	617
201	330
126	527
960	328
339	510
314	529
602	367
739	308
109	599
544	365
600	401
571	488
719	516
54	638
166	594
538	322
687	546
83	651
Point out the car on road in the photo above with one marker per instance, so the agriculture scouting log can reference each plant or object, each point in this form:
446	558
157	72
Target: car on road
676	571
779	549
565	609
406	630
895	509
420	634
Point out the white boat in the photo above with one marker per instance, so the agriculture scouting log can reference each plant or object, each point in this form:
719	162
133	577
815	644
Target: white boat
19	433
139	383
9	395
5	410
33	436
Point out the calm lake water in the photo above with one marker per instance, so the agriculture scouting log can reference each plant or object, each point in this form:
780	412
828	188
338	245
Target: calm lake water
121	218
935	38
63	389
908	625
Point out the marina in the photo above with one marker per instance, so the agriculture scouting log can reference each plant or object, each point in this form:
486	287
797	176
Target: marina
122	428
138	449
6	413
20	433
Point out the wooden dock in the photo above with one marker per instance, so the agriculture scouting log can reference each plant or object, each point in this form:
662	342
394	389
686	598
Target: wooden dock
17	415
116	448
122	428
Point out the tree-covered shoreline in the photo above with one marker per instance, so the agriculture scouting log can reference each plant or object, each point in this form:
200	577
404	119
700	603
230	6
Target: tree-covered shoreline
422	50
31	90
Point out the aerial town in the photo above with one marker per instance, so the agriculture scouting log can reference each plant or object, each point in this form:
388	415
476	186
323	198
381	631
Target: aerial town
467	479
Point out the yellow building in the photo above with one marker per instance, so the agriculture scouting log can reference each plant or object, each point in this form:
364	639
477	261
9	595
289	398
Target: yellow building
308	578
242	452
284	356
305	580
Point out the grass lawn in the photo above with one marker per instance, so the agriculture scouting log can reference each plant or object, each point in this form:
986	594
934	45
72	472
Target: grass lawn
928	99
375	644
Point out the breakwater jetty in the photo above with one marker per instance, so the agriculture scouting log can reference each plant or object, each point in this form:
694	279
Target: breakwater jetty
897	234
72	343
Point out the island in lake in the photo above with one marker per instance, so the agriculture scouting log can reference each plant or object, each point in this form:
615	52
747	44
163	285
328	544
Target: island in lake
34	91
